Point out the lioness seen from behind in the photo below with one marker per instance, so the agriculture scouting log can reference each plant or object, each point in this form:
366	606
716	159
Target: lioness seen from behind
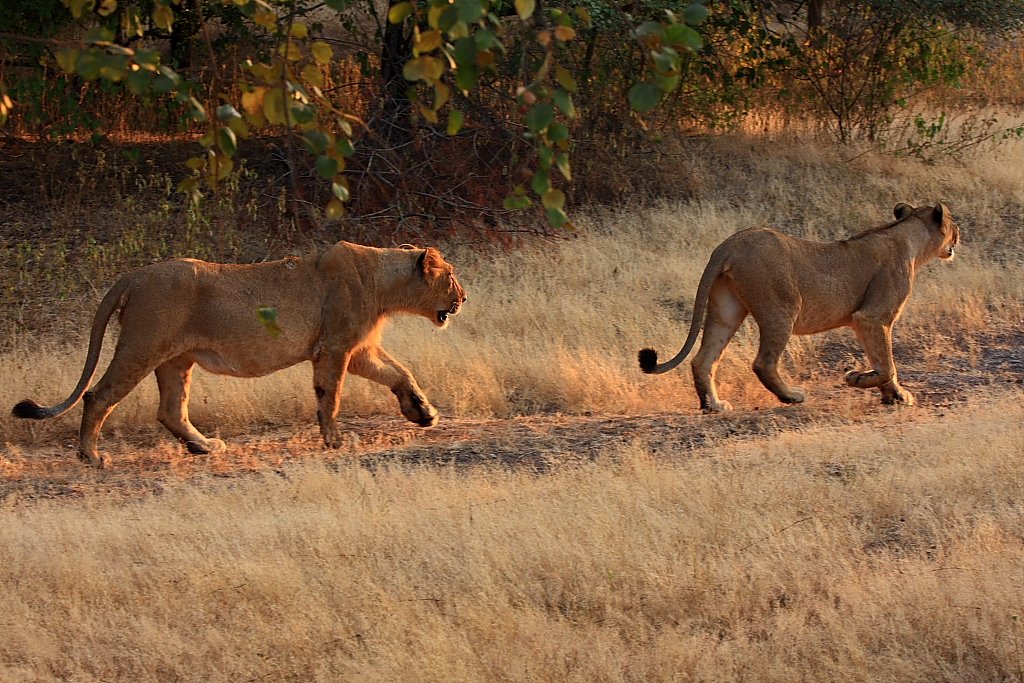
795	286
331	309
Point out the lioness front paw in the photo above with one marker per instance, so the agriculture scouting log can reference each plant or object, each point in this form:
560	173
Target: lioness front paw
794	395
333	435
416	408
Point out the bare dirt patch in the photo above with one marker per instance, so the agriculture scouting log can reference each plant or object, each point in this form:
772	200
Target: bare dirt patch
147	463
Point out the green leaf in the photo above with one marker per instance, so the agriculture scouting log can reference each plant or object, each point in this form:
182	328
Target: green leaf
399	12
106	8
666	59
539	117
466	77
541	183
454	121
113	67
649	30
267	315
345	147
226	112
335	209
138	81
563	101
465	52
340	189
67	59
556	217
644	96
423	68
470	11
558	132
682	36
131	23
77	7
88	65
338	5
163	17
695	14
227	141
427	41
565	79
553	199
485	39
524	8
148	59
517	200
562	161
98	35
316	142
321	52
544	155
326	167
273	106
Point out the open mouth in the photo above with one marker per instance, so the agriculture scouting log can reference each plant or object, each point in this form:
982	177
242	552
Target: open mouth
442	316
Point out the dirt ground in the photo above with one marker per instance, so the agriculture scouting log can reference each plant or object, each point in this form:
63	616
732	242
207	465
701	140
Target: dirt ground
149	462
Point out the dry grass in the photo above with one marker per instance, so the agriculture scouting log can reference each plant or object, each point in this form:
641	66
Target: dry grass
852	554
555	326
888	550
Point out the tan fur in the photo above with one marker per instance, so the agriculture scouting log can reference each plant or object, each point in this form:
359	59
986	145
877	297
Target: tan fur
330	309
794	286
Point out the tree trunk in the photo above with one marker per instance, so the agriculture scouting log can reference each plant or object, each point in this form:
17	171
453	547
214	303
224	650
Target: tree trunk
186	26
395	106
815	14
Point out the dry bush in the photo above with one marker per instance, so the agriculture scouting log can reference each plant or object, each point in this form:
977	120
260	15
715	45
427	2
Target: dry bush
888	553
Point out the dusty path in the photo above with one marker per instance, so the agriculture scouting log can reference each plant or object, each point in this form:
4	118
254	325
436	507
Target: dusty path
150	463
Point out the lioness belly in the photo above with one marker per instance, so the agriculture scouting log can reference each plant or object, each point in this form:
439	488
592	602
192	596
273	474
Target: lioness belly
243	364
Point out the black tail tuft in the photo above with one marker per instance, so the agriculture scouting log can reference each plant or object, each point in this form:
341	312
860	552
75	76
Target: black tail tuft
648	360
29	410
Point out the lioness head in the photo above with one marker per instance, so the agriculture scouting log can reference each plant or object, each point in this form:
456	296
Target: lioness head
444	295
945	233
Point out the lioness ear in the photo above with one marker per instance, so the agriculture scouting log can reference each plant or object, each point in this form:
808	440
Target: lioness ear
430	264
902	211
939	212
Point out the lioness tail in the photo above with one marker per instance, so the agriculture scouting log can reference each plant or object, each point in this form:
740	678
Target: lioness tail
29	409
649	357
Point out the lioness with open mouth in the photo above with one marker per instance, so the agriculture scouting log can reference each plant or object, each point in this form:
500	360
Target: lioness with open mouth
331	308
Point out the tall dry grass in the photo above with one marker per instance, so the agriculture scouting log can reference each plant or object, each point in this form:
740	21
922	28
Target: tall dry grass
889	553
555	325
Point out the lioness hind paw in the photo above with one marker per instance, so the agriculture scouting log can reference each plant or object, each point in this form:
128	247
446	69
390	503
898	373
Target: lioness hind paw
205	447
902	397
100	462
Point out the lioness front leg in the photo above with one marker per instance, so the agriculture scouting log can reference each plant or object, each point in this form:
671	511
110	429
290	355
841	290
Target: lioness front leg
876	338
377	365
328	377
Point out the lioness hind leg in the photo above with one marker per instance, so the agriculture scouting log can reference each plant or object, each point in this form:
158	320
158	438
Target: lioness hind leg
329	371
121	377
725	315
174	379
774	335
